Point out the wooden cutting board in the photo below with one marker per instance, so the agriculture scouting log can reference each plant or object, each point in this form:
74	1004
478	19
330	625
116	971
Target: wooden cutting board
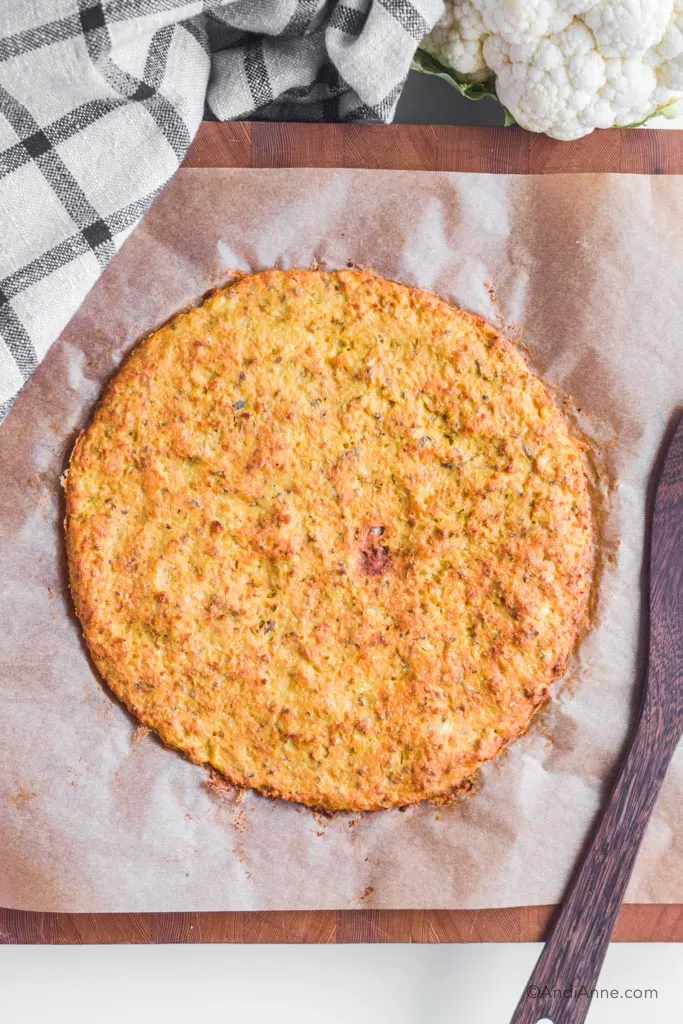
396	147
427	147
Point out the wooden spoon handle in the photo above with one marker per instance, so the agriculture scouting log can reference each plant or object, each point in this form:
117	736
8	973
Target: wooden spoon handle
559	988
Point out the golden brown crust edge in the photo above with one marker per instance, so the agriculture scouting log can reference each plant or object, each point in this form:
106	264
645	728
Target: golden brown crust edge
108	666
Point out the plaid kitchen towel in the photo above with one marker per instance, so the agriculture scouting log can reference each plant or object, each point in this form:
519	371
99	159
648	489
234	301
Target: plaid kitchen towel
100	101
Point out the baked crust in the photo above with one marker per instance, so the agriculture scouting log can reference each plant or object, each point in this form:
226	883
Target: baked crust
331	536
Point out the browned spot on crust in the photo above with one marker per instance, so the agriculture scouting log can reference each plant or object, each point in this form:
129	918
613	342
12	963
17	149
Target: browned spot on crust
376	560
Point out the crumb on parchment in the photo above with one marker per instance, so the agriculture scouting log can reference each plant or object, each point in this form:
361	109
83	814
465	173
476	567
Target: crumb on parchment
216	785
23	796
240	822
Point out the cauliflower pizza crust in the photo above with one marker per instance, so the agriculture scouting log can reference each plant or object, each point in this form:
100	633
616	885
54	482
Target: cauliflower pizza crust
332	537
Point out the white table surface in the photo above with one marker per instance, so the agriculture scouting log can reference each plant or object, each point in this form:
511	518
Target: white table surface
354	984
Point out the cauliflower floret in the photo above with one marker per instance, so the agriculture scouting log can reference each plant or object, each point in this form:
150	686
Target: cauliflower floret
550	84
457	40
628	28
565	67
521	21
667	57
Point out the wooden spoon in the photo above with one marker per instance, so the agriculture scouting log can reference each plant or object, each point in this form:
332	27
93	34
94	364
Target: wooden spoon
559	989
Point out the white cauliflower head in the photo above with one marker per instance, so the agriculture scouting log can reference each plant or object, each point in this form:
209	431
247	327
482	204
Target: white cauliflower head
565	67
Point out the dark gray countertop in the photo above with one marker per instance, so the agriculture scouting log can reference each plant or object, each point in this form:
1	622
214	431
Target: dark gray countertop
427	99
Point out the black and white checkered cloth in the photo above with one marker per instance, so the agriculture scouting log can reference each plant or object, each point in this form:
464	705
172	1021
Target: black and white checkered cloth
100	101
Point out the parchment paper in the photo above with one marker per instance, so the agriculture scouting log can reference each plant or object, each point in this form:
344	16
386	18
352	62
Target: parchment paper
591	267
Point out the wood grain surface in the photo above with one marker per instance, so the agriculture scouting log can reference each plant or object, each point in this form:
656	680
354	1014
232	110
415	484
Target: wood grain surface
399	147
636	923
426	147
